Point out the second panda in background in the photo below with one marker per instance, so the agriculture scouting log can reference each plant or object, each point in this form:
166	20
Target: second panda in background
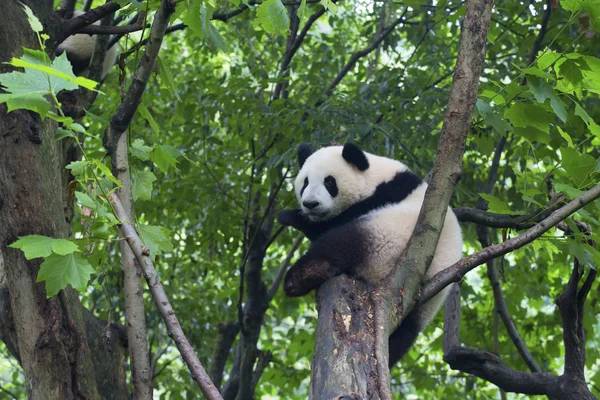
359	210
79	49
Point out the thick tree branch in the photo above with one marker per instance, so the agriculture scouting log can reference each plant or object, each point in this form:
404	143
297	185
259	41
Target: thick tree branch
448	163
162	303
570	304
227	334
458	270
490	367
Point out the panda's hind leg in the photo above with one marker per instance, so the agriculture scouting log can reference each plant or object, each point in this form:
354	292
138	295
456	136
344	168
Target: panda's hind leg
403	337
338	251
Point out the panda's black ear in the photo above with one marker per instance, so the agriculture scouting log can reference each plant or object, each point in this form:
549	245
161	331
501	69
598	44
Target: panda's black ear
304	152
354	155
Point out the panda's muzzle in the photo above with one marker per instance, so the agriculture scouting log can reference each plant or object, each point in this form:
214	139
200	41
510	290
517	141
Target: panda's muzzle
311	205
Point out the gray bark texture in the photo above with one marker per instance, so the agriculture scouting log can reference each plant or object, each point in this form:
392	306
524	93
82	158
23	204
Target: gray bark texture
57	342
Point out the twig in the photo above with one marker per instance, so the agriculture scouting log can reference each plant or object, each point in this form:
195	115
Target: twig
286	262
459	269
162	303
361	53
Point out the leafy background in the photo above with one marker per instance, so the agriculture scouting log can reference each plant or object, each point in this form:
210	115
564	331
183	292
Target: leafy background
212	133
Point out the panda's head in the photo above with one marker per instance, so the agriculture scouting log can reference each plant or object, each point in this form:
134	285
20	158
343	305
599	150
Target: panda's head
332	179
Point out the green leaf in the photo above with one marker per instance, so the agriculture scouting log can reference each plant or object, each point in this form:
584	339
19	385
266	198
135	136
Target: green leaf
34	22
142	185
523	114
565	136
148	117
302	10
330	5
165	157
272	16
106	171
214	39
571	71
568	190
533	135
77	167
496	205
167	78
198	19
156	238
578	165
585	253
139	150
542	91
547	58
60	271
534	71
592	125
35	246
572	5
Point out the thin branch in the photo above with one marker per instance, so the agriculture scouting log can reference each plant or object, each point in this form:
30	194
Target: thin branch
162	303
74	25
122	118
110	30
87	5
517	222
502	310
67	7
459	269
362	53
286	263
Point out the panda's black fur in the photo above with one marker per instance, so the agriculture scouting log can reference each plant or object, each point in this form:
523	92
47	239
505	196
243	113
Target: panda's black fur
342	243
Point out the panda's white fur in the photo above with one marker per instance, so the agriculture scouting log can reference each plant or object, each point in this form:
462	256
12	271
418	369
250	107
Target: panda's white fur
81	47
382	231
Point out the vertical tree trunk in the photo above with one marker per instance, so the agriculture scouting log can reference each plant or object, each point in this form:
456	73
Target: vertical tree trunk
53	346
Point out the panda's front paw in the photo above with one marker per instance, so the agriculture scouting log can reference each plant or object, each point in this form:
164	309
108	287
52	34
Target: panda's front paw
293	285
287	217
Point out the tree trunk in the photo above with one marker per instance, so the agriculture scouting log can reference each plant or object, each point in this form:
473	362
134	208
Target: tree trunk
344	365
53	345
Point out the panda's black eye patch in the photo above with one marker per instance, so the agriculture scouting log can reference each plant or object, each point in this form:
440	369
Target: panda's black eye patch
331	185
304	186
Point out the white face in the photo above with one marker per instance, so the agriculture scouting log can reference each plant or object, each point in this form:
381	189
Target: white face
327	184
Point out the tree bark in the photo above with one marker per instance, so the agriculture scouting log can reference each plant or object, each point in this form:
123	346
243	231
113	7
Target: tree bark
60	357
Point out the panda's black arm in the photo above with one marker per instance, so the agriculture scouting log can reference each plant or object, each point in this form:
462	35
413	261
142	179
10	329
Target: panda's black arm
297	220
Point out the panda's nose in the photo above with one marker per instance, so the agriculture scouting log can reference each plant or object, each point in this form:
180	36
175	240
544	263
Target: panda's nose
310	204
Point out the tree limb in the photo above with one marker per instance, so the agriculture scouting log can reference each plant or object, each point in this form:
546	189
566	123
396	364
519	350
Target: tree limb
110	30
490	367
286	263
447	169
458	270
74	25
162	303
517	222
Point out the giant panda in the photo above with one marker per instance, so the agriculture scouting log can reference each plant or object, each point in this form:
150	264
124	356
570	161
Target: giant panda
80	47
359	211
